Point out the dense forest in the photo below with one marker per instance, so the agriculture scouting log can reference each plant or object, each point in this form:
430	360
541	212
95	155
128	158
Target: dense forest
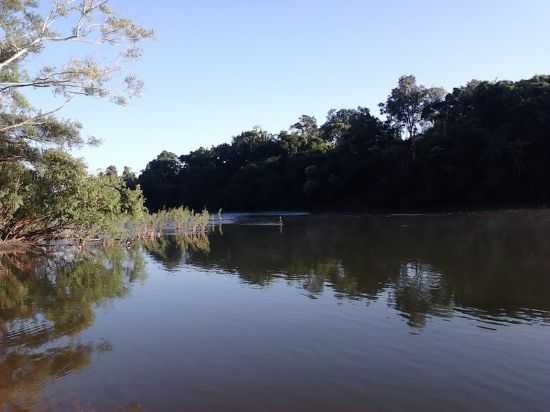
485	144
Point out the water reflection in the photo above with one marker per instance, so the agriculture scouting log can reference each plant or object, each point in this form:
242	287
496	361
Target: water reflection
487	269
46	301
486	265
173	252
420	291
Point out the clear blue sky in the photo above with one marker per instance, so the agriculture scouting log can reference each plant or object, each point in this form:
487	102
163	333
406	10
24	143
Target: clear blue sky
219	67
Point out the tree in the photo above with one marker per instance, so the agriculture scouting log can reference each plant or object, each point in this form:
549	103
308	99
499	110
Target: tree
111	171
306	125
57	196
406	104
354	126
44	192
166	165
306	135
129	177
159	179
26	31
487	145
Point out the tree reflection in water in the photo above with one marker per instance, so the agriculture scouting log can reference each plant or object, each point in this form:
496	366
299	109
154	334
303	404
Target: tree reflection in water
491	267
173	251
485	265
45	303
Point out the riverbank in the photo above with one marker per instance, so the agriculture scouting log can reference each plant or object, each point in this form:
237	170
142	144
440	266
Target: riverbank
126	229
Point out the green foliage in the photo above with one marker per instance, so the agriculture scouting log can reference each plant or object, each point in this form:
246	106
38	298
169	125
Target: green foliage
129	177
28	28
483	145
407	103
44	192
57	196
12	179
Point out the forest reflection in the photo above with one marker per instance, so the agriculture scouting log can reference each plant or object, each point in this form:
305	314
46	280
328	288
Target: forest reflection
46	301
484	265
490	267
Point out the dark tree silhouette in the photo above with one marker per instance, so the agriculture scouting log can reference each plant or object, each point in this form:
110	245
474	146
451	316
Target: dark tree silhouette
482	145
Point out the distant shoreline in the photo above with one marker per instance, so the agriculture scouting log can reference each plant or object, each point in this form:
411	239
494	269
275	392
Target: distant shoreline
385	212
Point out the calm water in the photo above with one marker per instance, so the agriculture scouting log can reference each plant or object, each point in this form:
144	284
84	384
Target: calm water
392	313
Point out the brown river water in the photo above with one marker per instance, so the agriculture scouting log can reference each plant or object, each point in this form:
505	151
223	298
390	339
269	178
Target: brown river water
326	313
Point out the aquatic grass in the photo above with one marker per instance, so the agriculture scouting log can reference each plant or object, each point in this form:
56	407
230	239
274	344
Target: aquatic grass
180	221
177	221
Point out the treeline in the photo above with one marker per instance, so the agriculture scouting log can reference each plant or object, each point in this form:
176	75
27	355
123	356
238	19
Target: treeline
485	144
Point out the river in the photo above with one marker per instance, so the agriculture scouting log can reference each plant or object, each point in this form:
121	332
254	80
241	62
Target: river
445	312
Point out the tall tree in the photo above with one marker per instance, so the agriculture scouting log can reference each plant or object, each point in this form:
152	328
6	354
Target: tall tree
111	171
43	190
406	104
129	177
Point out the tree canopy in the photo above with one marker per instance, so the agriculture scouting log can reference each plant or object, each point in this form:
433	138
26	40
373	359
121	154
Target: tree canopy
408	103
27	30
484	144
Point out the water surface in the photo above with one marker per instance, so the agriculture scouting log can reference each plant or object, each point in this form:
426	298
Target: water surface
346	313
